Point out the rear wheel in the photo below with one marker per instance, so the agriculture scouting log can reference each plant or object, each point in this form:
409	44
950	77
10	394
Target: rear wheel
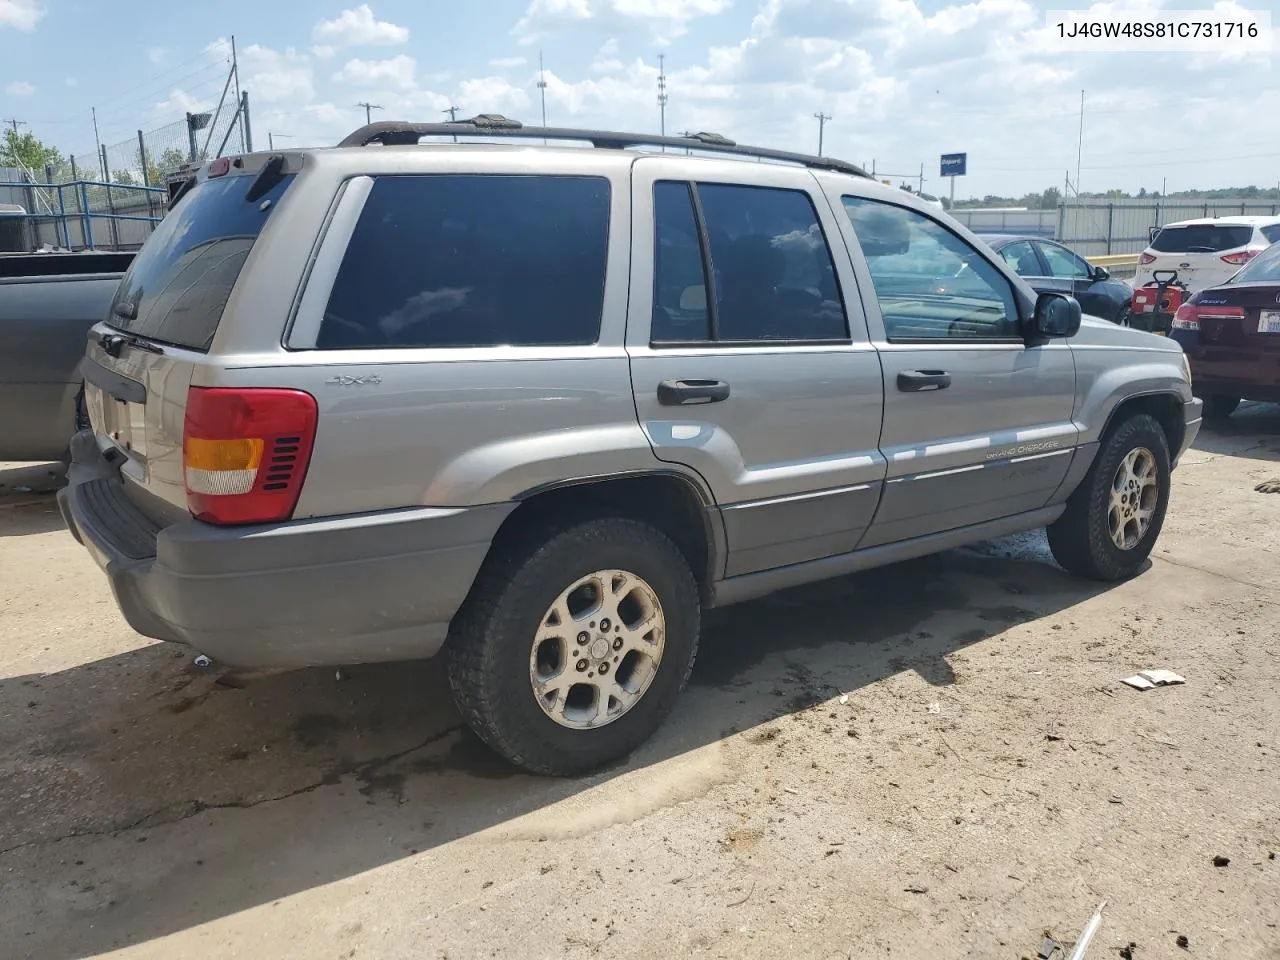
1113	518
1217	407
570	652
1122	315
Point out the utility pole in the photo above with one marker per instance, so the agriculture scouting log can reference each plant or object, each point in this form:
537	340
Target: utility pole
15	124
542	88
368	109
453	117
240	102
1080	144
271	138
662	94
97	142
921	189
822	119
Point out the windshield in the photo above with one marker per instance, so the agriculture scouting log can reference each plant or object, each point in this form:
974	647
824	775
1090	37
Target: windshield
1201	238
177	287
1264	268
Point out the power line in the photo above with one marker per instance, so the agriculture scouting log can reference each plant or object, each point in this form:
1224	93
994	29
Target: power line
822	119
15	124
368	109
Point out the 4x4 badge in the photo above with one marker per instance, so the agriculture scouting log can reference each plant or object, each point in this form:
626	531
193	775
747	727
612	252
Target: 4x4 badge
345	381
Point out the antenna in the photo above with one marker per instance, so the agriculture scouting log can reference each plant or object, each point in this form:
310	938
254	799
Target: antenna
822	119
662	94
542	88
368	109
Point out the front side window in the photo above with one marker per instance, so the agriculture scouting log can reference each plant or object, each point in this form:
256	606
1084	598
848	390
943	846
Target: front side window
472	260
931	284
1022	257
1063	263
772	276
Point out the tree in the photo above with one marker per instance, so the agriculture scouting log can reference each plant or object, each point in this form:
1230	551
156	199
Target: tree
24	150
123	177
1050	199
171	160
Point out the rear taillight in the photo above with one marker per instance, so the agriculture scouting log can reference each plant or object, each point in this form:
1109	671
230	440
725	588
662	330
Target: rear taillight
1236	259
1187	318
1146	258
245	452
1190	315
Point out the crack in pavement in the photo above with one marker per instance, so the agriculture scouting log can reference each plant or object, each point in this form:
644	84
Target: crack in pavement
1221	576
156	818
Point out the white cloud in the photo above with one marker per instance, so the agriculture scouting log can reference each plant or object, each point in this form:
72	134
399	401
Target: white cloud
20	88
322	52
181	102
606	59
157	55
667	18
508	63
398	72
492	95
20	14
272	77
359	28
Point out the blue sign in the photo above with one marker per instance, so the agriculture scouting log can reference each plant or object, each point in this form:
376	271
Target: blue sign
953	164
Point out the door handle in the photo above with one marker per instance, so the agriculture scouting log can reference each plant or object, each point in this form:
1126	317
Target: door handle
676	393
917	381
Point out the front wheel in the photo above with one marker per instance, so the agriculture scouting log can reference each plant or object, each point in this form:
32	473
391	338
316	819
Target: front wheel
571	651
1113	518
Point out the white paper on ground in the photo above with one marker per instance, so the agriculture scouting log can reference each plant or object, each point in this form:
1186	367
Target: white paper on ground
1148	679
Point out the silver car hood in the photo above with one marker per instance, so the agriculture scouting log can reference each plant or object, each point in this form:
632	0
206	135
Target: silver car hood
1095	331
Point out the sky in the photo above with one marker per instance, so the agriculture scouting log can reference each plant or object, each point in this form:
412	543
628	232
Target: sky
902	81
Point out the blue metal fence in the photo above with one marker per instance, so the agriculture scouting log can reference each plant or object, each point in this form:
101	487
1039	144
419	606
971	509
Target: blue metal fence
80	215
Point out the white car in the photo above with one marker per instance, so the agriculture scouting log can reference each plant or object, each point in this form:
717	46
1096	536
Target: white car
1206	252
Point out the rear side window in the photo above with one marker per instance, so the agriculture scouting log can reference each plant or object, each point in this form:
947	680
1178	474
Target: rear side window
772	276
1201	238
1272	233
178	285
462	260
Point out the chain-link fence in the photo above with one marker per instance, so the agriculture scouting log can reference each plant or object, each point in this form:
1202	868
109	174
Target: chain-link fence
148	158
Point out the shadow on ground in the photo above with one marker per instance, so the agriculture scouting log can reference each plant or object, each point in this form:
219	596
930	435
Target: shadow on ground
27	501
142	798
1252	431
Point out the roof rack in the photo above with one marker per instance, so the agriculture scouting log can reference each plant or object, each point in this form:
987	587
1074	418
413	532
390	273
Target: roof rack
398	133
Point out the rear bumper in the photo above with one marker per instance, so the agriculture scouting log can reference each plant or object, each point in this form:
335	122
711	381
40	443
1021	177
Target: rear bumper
355	589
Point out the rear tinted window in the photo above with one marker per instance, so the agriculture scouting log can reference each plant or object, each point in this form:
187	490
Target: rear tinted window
1201	238
457	260
179	283
1264	268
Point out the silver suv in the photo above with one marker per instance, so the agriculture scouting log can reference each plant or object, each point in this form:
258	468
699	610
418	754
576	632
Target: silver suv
536	407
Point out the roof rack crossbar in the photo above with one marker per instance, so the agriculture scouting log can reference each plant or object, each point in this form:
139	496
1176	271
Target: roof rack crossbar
398	133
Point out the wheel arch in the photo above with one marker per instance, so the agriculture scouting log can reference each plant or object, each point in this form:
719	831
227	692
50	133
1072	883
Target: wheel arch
1164	407
678	505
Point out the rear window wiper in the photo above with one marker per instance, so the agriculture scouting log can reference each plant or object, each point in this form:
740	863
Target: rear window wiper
113	341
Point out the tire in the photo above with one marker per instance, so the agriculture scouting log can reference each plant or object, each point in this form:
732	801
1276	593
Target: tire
1081	539
493	661
1122	315
1218	408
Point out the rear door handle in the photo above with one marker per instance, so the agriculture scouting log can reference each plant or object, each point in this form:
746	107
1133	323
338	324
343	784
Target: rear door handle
916	381
676	393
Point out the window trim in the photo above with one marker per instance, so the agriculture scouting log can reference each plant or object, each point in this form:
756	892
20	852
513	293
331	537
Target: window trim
708	273
1019	338
1045	244
348	208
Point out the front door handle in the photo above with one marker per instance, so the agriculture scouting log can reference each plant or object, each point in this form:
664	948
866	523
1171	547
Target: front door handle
916	381
676	393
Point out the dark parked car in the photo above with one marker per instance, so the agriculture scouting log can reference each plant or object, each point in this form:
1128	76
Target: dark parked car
1231	335
48	302
1052	268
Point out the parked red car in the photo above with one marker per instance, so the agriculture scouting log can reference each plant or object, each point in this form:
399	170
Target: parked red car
1231	335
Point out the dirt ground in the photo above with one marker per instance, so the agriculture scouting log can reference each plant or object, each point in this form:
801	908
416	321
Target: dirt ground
933	760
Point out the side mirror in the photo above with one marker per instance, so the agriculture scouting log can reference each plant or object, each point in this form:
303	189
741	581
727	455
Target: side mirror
1056	316
1101	273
